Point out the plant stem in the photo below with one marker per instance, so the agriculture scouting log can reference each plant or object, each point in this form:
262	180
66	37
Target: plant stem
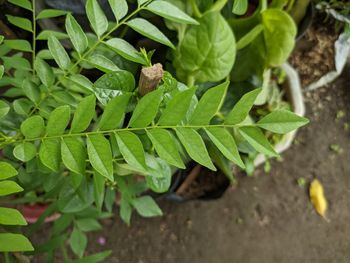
34	38
195	8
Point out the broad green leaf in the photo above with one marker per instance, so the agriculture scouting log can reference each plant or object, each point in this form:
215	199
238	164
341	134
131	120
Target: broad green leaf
95	258
4	108
257	139
171	12
78	242
31	90
45	34
209	105
242	108
165	146
146	206
147	29
132	149
24	151
250	36
58	121
141	2
50	153
33	127
125	211
100	155
83	114
14	242
224	141
88	224
20	22
19	44
146	109
58	52
22	3
158	184
279	34
76	34
282	121
73	154
96	16
99	189
126	50
177	108
16	62
82	82
49	13
195	146
114	112
2	70
45	72
221	162
207	52
7	171
119	8
102	63
240	7
10	216
9	187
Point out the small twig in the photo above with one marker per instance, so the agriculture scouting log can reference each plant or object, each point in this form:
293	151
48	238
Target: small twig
189	179
150	78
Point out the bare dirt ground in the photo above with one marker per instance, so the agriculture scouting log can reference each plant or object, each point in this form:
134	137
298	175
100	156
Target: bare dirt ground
268	217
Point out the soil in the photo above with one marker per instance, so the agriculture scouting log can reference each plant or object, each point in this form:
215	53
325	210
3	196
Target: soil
314	56
268	217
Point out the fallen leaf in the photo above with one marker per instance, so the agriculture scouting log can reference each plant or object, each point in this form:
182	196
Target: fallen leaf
317	198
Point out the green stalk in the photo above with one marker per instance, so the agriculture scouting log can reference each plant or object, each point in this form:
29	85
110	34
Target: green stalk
34	37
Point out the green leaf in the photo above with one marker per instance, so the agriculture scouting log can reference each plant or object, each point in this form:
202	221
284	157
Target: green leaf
146	206
33	127
58	52
2	70
141	2
22	3
73	154
119	8
98	257
24	151
10	216
88	224
83	114
209	105
58	121
126	50
147	29
4	108
282	121
14	242
242	108
31	90
225	143
20	22
99	189
125	210
78	242
165	146
45	72
177	108
7	171
171	12
76	34
257	139
96	16
50	153
158	184
45	34
207	52
9	187
16	62
100	155
49	13
279	34
146	109
19	44
195	146
132	149
82	81
240	7
114	112
250	36
102	63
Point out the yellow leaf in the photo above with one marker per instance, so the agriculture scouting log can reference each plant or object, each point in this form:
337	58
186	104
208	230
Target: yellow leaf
317	198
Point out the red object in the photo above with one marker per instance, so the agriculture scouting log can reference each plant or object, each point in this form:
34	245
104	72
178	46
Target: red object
32	213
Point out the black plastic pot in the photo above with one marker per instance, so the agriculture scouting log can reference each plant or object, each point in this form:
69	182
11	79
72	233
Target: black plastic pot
306	21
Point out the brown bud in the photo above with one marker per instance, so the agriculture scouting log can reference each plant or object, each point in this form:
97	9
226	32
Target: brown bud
150	78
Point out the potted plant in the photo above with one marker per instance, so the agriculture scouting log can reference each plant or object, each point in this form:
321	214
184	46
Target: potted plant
77	138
